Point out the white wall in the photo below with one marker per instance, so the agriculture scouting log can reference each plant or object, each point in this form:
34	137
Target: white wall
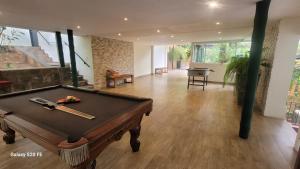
83	46
219	69
283	65
160	56
142	59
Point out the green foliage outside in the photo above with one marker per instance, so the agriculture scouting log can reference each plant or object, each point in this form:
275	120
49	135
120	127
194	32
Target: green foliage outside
296	75
219	52
179	52
298	51
9	36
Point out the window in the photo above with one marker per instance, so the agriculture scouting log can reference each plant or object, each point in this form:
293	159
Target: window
219	52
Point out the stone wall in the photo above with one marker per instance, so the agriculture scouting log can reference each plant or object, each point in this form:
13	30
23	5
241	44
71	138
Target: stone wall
25	79
267	56
111	54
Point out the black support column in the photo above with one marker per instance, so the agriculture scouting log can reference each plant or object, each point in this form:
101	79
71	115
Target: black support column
258	36
34	38
60	49
72	58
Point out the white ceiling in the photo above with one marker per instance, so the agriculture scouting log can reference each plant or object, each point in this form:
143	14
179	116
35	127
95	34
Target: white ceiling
188	20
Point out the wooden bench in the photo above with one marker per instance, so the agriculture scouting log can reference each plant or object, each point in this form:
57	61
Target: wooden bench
113	77
161	70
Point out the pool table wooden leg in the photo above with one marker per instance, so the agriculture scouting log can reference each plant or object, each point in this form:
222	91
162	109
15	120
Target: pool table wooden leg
9	136
134	135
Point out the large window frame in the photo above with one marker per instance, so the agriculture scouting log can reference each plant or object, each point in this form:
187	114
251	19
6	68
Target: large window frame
202	51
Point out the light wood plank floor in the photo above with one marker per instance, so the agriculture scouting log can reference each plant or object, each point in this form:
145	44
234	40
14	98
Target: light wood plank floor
188	129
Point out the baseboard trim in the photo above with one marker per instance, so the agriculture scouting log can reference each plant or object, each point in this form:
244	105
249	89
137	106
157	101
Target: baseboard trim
136	77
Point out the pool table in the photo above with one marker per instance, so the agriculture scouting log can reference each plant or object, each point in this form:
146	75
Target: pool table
77	141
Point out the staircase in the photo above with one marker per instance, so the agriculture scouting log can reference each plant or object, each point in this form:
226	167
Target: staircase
22	57
38	54
12	58
82	81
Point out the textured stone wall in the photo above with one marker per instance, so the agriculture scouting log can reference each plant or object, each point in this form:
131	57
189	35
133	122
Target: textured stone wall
111	54
25	79
267	56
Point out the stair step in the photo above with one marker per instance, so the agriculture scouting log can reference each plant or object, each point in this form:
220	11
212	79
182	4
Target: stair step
82	83
54	64
89	86
80	77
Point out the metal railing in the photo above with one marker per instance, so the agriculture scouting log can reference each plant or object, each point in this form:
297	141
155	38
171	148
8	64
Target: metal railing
49	43
78	56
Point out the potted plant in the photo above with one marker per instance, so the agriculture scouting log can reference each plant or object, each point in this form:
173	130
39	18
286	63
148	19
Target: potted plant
179	54
237	70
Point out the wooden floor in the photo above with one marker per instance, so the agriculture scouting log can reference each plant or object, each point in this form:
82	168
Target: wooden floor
188	129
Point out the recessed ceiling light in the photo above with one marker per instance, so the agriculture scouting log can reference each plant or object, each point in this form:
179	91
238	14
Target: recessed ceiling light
218	23
213	4
158	31
172	36
125	19
219	32
119	34
78	26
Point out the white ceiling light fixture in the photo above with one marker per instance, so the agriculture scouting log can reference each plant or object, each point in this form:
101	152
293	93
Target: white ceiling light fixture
119	34
158	31
172	36
219	33
213	4
78	27
125	19
218	23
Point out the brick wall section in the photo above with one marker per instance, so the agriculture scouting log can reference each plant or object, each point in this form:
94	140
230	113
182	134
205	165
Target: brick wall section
25	79
268	54
111	54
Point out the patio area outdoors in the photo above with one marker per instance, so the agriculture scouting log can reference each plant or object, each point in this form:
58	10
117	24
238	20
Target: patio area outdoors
293	102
